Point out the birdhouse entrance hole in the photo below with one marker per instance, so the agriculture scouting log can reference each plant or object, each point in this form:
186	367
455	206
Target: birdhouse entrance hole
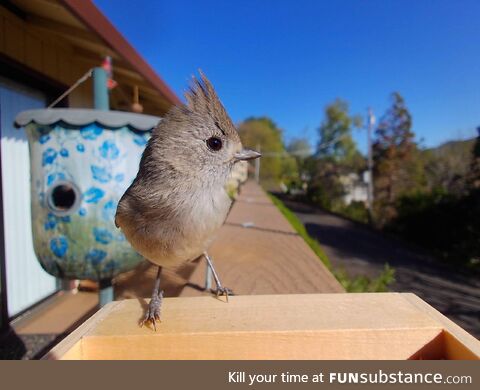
63	198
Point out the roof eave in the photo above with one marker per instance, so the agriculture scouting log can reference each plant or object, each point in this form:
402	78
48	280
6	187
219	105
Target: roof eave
96	21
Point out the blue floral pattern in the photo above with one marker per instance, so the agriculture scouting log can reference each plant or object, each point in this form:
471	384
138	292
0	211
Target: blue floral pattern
44	138
51	222
109	209
55	176
59	246
109	150
140	140
95	256
103	236
48	156
100	174
93	195
91	132
101	163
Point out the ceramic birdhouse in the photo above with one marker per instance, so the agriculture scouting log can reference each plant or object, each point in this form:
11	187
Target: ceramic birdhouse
82	161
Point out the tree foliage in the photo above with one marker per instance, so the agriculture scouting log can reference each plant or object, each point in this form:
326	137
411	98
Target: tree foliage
276	165
336	155
299	147
335	134
325	188
398	168
446	168
301	151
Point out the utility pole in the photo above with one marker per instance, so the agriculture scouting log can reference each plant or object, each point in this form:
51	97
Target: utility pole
370	124
257	165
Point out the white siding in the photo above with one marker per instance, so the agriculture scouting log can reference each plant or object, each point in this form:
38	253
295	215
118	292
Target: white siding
27	282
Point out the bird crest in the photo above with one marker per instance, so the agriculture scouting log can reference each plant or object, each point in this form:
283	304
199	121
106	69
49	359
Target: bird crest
202	99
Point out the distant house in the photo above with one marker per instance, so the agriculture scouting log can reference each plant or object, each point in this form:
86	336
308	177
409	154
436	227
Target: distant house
355	188
45	46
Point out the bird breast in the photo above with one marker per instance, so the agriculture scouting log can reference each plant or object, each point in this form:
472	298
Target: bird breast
188	235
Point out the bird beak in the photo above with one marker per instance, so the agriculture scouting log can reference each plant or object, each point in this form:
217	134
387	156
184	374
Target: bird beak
246	154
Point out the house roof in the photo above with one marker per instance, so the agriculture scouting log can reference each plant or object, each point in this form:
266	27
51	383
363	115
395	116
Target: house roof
81	25
89	14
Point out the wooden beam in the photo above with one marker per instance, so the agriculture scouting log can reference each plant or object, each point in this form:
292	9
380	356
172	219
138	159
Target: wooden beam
88	54
64	30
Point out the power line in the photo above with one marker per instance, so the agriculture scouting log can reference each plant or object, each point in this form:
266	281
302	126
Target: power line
304	152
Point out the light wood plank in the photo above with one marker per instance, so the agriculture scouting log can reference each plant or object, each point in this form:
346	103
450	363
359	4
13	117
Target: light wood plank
459	344
309	326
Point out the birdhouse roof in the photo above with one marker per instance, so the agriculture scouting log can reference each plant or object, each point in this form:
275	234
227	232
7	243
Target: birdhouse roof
83	117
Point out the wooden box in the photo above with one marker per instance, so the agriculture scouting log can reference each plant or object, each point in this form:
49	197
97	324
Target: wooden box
310	326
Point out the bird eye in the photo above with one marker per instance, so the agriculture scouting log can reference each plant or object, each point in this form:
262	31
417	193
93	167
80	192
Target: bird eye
214	143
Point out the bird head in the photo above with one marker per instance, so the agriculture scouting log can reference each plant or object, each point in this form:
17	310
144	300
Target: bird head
199	138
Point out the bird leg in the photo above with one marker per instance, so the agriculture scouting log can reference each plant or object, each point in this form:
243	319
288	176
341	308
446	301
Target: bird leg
152	314
220	289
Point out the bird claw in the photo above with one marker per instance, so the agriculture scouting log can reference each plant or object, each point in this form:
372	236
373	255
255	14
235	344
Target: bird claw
220	291
153	312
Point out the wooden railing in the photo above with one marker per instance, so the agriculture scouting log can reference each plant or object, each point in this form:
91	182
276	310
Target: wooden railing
304	326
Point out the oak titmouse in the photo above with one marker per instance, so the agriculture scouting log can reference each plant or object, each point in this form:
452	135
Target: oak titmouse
177	201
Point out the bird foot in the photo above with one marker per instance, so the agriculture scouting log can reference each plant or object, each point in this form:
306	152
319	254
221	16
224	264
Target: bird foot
220	291
152	314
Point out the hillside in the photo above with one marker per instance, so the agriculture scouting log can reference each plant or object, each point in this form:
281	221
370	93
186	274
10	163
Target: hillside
447	165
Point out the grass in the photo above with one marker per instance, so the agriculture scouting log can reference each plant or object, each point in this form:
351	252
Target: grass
302	232
364	283
356	284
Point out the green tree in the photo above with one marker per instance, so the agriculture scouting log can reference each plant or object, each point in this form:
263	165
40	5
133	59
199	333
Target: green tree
336	155
325	188
398	168
335	134
276	165
299	147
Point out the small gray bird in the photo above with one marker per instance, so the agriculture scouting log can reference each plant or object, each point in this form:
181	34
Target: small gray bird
170	212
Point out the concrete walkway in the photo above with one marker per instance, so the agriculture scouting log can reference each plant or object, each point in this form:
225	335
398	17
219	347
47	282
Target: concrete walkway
258	252
255	252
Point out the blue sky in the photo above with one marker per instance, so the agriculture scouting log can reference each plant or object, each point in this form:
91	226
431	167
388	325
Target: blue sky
288	59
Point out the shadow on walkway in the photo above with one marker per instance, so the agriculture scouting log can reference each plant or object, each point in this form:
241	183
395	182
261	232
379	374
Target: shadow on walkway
361	250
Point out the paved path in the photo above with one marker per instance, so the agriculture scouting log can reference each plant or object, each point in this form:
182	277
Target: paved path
256	252
360	250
